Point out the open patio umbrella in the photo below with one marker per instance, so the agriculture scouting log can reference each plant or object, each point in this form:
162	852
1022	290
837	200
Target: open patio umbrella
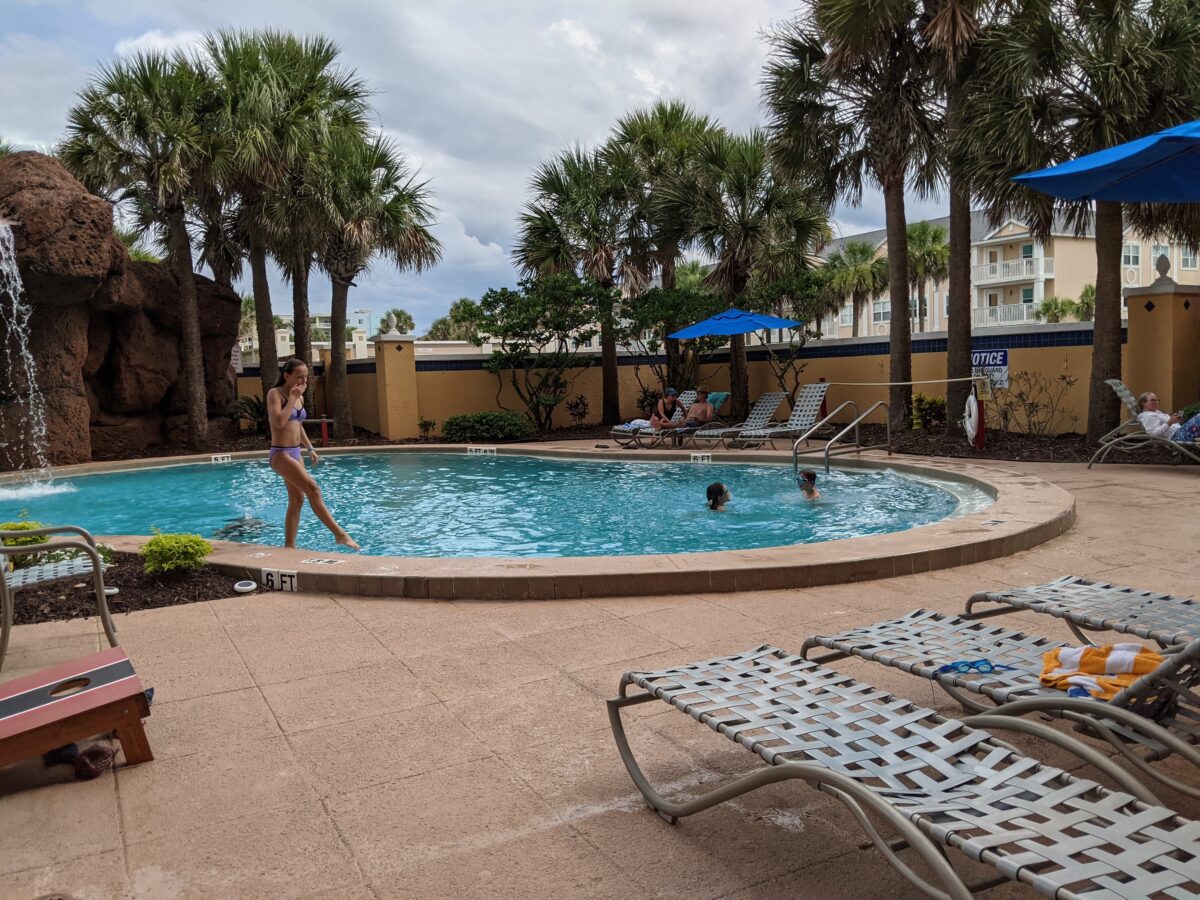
1160	168
733	321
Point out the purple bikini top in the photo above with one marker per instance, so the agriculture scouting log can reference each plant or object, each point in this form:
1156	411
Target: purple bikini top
298	415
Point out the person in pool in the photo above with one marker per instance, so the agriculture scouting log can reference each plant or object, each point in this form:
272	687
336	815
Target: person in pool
718	496
807	481
285	410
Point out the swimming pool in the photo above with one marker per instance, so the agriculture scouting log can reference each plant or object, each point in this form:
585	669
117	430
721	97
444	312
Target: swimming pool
444	504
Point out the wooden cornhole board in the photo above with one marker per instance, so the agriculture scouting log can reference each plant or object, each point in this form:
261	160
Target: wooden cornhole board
72	701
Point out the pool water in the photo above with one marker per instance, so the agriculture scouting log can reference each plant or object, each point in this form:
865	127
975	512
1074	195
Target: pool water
452	504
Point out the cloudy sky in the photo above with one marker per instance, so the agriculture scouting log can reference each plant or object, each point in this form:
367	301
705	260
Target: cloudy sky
476	93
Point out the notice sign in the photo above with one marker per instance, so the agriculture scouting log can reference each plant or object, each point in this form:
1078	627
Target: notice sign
992	365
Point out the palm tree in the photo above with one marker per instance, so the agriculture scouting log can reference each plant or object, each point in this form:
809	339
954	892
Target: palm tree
662	140
928	260
850	99
142	129
1055	309
577	221
857	275
738	212
379	210
404	320
1085	306
1056	81
281	97
132	239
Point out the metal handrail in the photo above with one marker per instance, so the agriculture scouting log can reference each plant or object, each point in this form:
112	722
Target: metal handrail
857	446
796	451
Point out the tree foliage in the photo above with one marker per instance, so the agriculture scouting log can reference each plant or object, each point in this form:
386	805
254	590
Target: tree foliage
538	330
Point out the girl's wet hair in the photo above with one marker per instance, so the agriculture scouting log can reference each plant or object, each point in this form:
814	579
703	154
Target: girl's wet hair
288	368
716	491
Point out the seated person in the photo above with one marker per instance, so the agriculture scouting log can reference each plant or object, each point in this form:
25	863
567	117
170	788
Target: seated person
1160	424
665	409
807	481
699	413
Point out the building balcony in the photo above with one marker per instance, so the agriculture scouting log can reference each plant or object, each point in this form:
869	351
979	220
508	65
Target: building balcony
1005	314
1006	270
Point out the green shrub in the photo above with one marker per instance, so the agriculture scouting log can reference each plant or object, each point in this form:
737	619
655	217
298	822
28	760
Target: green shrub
1184	414
174	553
929	412
426	426
20	562
487	426
253	410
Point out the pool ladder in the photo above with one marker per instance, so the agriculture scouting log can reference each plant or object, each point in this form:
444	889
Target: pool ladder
856	447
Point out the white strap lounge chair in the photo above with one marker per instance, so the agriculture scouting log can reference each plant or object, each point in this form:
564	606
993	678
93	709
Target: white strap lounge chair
759	417
1156	716
626	436
85	565
939	784
1131	437
804	415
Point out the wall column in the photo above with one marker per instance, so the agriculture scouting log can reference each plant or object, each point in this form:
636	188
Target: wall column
1164	334
396	385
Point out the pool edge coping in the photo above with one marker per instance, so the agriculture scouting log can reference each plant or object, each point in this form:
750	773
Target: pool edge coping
1027	511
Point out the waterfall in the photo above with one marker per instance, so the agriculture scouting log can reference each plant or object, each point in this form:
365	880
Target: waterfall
21	448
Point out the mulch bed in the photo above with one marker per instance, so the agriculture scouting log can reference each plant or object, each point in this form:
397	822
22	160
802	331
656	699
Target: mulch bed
75	600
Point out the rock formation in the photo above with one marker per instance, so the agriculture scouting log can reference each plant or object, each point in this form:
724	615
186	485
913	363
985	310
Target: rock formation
105	330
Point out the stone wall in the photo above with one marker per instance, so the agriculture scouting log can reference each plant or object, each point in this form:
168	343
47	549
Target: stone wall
105	330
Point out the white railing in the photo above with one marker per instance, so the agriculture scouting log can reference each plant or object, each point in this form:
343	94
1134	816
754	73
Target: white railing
1013	270
1007	314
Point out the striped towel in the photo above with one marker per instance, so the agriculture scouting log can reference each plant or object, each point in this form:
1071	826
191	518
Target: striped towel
1099	672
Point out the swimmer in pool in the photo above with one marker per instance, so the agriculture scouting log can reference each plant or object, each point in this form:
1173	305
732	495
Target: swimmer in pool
285	409
718	496
807	482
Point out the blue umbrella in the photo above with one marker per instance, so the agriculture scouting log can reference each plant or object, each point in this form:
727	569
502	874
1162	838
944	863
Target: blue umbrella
1159	168
733	321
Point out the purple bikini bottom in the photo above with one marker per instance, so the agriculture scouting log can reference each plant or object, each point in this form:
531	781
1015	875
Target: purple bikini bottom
293	452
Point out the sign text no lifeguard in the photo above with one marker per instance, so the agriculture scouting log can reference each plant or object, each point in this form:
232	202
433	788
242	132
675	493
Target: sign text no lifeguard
991	364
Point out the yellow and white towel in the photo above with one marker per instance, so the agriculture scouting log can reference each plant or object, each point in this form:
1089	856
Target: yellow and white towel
1099	672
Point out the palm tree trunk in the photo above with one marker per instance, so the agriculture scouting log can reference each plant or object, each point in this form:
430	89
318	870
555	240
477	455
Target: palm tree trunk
301	327
856	302
343	422
921	306
674	362
739	378
189	316
610	385
268	359
958	329
900	341
1106	327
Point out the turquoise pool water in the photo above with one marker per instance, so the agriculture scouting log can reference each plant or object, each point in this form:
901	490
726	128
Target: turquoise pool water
452	504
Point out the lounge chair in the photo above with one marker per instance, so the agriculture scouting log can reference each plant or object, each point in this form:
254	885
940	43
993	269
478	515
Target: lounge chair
804	415
1098	606
626	436
760	415
87	565
1158	715
937	782
679	437
1130	436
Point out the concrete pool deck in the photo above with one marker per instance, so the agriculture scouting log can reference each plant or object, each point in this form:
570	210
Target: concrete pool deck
321	745
1027	511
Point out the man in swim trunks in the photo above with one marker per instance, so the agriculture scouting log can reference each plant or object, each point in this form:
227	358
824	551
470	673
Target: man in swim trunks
699	413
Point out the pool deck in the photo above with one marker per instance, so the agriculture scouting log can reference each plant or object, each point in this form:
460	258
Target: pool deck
1027	511
322	745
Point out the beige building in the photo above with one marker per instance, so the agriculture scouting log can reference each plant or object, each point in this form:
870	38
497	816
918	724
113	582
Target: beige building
1012	273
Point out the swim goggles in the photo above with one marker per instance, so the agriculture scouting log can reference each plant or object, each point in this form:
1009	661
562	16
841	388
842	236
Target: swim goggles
975	665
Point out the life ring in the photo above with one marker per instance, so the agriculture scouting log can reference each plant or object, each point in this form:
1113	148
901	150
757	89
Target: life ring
971	418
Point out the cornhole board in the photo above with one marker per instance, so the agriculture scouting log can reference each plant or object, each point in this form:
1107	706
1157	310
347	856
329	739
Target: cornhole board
72	701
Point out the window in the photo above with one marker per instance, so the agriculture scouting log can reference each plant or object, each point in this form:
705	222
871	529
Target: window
1187	257
1026	295
1131	255
881	311
847	315
993	298
1027	251
1159	250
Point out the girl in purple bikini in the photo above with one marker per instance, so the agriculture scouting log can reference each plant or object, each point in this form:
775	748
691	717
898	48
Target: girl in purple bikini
285	410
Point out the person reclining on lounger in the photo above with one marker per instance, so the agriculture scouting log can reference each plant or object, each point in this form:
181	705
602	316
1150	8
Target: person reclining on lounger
1159	424
699	413
665	409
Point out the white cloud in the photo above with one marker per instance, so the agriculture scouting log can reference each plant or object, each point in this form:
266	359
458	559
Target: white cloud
576	35
158	41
